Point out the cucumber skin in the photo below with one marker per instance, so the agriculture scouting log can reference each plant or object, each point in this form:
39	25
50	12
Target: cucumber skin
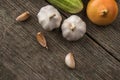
71	6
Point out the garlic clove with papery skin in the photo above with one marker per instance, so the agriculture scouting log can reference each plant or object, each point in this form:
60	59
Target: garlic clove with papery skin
73	28
70	61
49	18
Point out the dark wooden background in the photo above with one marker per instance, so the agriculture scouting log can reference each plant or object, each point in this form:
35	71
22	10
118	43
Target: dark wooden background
97	54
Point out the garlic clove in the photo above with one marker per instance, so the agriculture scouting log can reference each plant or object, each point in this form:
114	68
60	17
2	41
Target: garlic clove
69	60
41	39
24	16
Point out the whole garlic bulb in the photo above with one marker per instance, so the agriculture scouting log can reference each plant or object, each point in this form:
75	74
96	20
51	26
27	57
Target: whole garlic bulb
49	18
73	28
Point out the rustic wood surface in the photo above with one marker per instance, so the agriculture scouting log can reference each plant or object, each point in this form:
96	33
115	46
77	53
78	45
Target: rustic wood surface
97	54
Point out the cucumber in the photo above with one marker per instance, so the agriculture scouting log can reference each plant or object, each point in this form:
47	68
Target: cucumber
71	6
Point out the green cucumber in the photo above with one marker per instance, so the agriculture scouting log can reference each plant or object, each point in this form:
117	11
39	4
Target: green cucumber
71	6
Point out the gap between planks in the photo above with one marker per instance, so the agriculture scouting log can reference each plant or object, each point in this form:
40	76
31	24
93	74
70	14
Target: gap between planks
87	34
110	53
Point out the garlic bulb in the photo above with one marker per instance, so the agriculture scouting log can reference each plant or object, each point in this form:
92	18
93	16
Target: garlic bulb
49	18
73	28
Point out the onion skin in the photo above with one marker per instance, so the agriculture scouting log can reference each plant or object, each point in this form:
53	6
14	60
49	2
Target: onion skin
102	12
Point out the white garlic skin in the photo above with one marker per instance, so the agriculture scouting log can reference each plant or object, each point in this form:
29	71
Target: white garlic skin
49	18
79	28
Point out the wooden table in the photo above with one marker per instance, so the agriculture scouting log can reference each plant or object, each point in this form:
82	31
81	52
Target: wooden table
97	54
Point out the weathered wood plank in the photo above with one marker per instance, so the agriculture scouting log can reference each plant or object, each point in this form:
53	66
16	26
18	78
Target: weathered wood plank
21	48
5	73
14	64
107	37
93	62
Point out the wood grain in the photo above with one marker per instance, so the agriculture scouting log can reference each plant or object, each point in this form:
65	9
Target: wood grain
5	73
108	37
23	56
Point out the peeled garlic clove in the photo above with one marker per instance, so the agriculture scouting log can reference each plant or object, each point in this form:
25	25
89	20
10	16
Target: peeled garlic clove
69	60
49	18
24	16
